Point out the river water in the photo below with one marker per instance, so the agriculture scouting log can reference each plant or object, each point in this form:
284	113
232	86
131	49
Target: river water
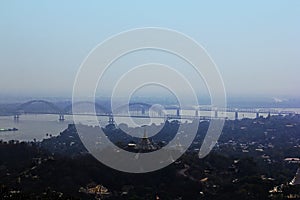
37	126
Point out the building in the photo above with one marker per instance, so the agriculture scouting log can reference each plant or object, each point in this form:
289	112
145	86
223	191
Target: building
145	144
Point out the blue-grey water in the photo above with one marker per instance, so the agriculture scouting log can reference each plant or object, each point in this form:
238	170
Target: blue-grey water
32	126
37	126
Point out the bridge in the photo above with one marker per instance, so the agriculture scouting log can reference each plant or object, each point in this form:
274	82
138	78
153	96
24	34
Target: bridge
142	110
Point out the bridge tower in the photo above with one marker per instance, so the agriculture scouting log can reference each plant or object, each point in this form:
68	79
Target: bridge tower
61	117
257	114
111	120
236	115
196	113
269	115
160	113
16	116
178	112
216	113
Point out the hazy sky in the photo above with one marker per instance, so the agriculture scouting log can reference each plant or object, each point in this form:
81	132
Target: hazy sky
256	45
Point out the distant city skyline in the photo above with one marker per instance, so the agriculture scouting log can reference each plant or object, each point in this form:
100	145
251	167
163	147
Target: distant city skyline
255	44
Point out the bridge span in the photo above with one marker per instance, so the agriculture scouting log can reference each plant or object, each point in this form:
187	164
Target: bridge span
142	110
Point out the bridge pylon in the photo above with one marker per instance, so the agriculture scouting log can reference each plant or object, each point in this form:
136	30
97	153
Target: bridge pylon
196	113
178	112
16	116
216	113
61	117
236	115
111	120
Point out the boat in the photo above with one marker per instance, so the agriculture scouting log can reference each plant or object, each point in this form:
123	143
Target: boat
8	129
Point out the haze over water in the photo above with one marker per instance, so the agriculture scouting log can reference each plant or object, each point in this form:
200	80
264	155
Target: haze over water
36	126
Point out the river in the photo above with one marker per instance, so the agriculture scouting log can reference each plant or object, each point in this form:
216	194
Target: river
37	126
